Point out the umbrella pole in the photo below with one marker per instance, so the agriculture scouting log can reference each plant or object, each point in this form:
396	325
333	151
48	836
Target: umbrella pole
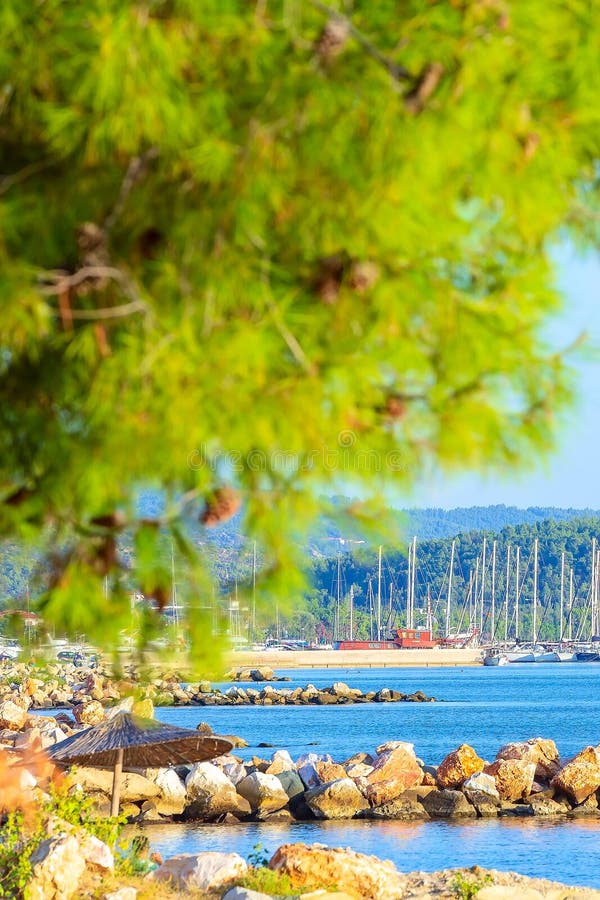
116	788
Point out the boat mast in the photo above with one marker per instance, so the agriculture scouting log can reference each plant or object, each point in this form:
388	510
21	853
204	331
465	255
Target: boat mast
506	594
562	597
429	613
482	586
351	600
570	628
597	587
594	584
408	583
449	598
535	592
379	594
412	590
517	589
371	604
338	598
493	625
253	590
174	610
476	591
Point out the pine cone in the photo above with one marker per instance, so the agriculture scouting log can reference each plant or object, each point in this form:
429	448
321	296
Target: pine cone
363	276
329	277
395	407
220	507
333	39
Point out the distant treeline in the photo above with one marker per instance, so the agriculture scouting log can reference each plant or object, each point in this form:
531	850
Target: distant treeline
345	575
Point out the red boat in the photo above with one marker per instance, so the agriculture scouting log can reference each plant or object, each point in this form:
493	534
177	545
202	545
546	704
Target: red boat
404	639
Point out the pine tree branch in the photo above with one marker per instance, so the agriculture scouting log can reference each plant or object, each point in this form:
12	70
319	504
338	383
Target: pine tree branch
63	283
397	72
135	170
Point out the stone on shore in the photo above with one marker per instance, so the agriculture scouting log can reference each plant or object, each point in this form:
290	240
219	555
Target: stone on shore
57	866
457	766
209	871
210	794
398	767
447	804
358	875
281	761
133	787
264	793
291	783
241	893
544	753
339	799
513	778
580	778
12	716
173	795
407	807
89	713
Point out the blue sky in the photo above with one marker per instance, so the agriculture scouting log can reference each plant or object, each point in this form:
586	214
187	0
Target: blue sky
570	476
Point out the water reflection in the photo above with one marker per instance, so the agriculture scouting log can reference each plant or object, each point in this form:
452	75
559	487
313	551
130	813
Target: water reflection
566	851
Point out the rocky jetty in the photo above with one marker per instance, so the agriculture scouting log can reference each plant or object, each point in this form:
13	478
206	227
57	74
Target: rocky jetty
87	691
525	779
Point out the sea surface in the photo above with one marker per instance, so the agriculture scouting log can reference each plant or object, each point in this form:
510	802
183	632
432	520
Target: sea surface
484	707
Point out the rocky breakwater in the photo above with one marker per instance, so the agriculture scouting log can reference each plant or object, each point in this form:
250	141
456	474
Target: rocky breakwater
525	779
66	686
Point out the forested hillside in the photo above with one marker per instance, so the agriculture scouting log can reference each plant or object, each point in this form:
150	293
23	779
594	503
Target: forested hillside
471	598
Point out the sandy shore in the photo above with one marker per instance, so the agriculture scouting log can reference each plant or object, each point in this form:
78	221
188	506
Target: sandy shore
354	659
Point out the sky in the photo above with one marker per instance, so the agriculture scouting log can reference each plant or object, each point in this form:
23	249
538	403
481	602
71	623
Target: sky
569	476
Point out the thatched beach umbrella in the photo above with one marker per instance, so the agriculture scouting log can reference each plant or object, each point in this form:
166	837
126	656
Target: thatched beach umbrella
128	740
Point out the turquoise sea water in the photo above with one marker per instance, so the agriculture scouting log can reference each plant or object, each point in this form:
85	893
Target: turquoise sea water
485	707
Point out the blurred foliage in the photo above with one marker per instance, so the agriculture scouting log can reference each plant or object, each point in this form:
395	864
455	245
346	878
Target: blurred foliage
250	248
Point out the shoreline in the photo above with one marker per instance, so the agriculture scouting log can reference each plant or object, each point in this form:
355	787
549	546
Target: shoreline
355	659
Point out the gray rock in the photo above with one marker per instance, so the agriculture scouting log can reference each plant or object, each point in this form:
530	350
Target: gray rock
545	806
339	799
264	793
407	807
240	893
448	804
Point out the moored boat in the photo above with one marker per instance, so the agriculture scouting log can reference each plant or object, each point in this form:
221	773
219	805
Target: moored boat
495	657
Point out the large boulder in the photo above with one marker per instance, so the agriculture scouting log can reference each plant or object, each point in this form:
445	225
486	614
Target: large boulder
210	794
89	713
329	771
513	778
281	761
341	689
172	798
480	790
133	787
264	793
291	783
339	799
580	778
209	871
407	807
57	866
544	753
447	804
394	771
457	766
12	716
355	874
305	766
